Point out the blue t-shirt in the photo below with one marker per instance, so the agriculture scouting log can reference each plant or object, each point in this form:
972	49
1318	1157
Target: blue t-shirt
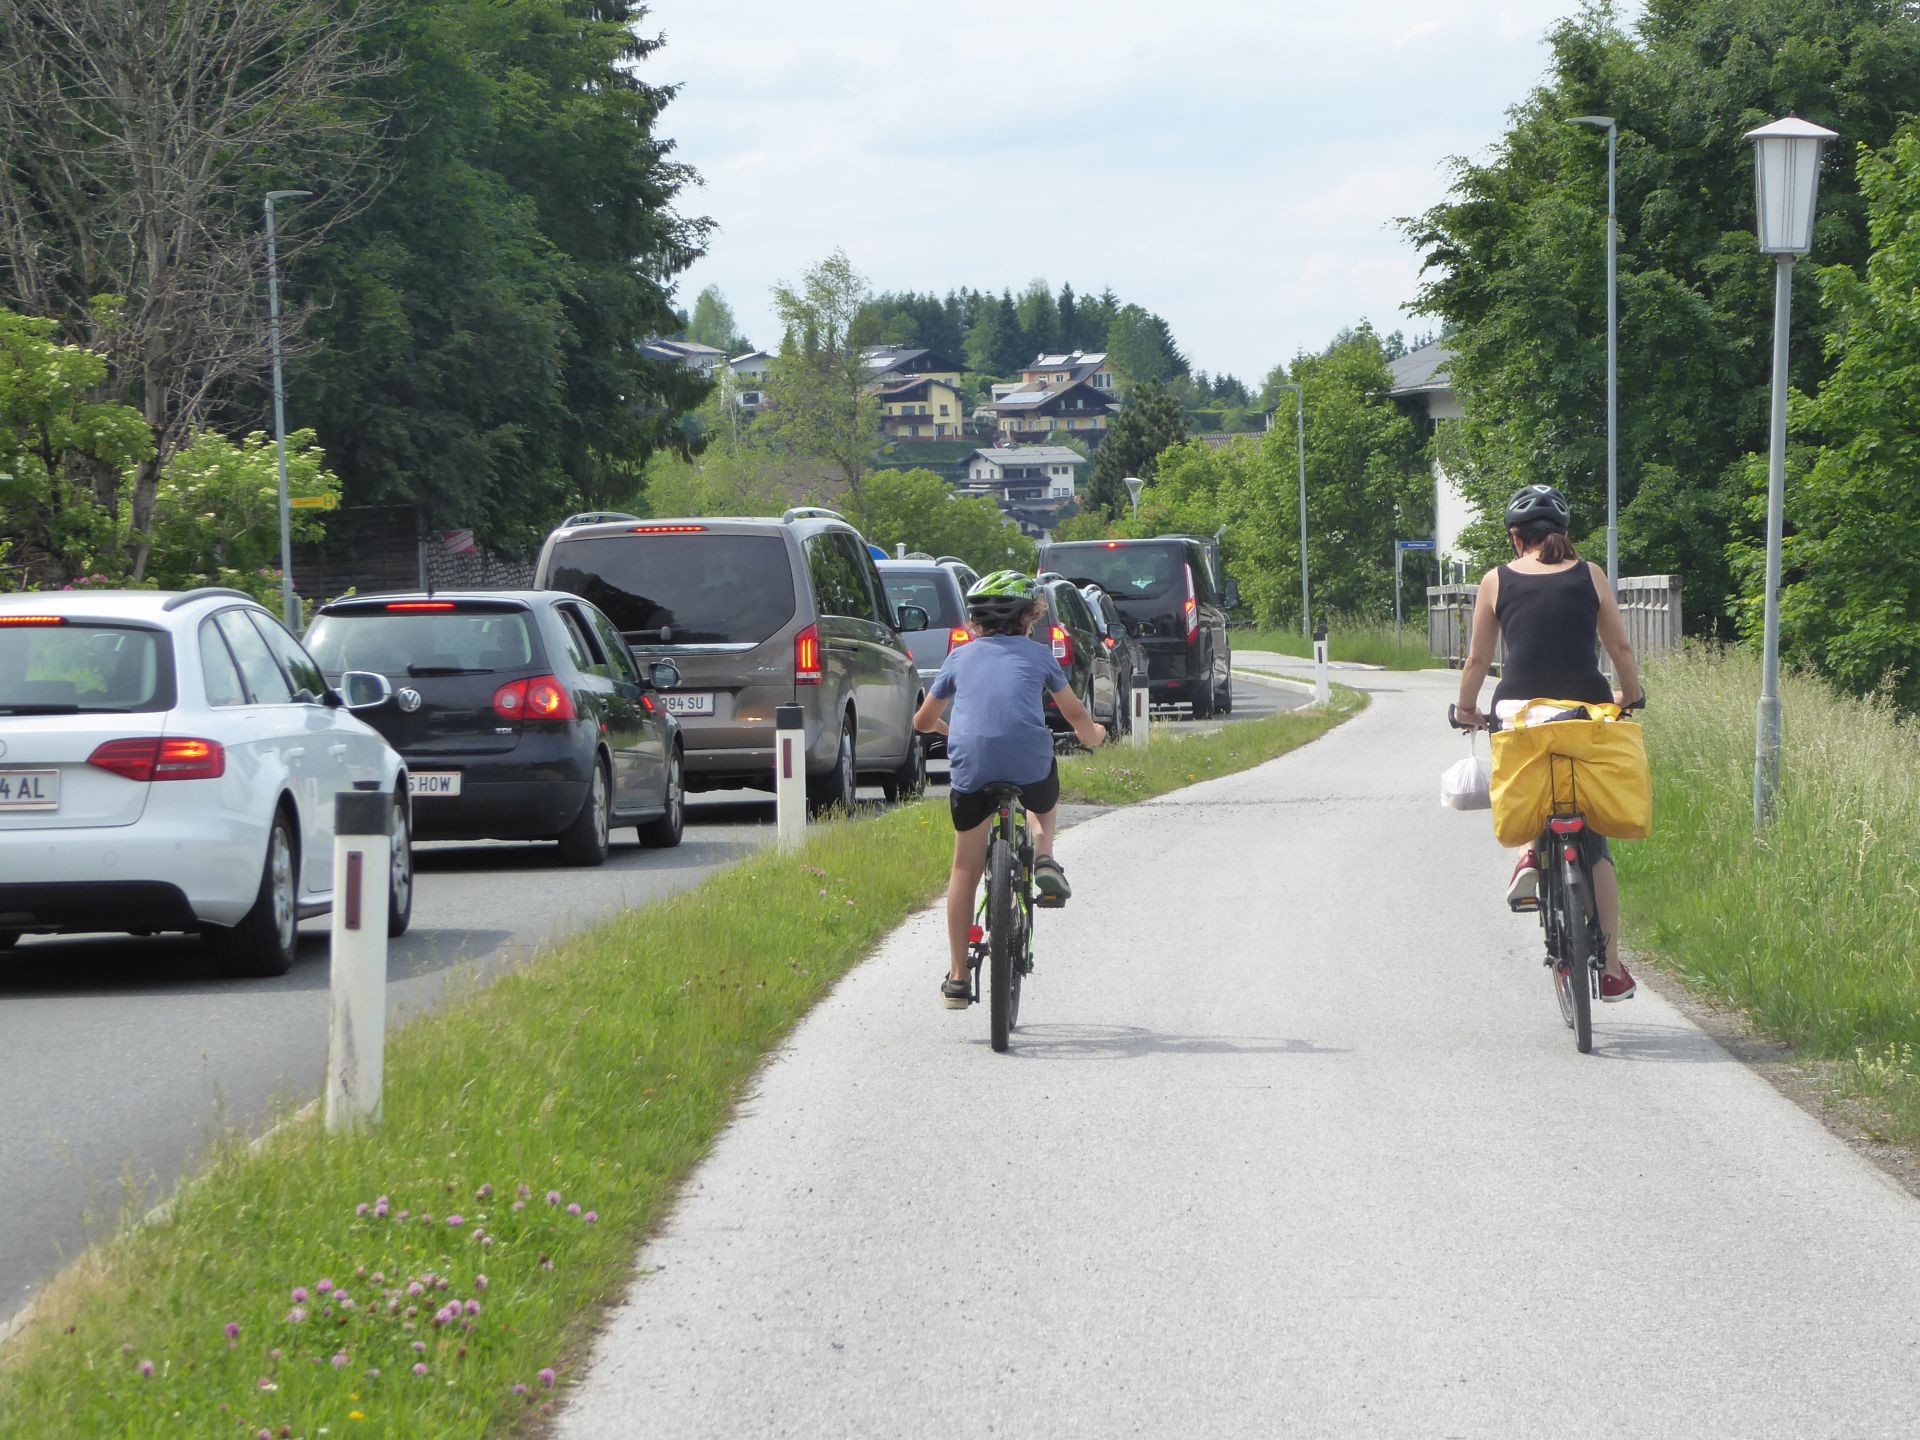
997	730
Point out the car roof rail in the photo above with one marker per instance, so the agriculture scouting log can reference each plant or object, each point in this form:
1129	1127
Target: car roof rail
1050	575
811	512
949	560
596	517
919	555
204	592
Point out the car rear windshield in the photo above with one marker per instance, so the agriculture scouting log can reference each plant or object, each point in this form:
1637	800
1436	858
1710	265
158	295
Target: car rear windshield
422	642
708	589
932	590
1126	572
77	666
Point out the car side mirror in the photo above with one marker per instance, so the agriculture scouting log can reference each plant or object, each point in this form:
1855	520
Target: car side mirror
364	690
1230	592
665	675
911	617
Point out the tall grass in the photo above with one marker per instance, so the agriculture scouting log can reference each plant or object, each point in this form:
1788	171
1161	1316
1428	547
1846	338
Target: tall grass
1814	928
1364	642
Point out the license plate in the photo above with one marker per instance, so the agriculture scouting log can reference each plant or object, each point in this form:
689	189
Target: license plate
433	782
692	704
29	789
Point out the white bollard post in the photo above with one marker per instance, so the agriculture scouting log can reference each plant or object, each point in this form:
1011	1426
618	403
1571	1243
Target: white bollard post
1320	692
790	776
357	1041
1141	722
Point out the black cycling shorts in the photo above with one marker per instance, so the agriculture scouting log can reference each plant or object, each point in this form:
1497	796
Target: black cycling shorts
973	808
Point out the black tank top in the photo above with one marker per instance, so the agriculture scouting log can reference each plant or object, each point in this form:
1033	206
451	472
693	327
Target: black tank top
1550	625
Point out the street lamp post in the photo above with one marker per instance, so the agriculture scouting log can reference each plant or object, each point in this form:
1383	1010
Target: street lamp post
1786	156
1606	122
1300	439
287	604
1134	486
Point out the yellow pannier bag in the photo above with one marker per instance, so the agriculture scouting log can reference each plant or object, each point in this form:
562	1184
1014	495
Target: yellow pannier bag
1596	766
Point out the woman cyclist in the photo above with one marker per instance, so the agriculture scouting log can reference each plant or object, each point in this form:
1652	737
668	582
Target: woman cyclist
1548	607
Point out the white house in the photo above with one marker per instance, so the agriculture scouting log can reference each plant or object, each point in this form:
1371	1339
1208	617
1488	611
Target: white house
1422	385
749	373
1040	472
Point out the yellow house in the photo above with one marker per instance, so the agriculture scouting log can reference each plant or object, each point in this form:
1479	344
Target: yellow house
923	409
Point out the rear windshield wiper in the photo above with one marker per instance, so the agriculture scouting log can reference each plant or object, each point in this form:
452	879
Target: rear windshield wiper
39	709
447	670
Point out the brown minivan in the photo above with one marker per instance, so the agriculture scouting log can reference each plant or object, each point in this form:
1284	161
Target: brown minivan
758	613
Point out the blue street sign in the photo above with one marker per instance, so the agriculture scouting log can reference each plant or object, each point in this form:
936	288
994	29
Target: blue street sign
1414	544
878	553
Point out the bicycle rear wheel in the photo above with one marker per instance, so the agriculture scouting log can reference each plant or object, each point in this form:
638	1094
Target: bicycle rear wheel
1572	962
1004	949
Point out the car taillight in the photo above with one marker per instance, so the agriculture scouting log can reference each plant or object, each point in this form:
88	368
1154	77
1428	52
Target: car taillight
668	530
1062	646
806	657
416	607
1192	609
178	757
25	620
541	698
1110	642
957	637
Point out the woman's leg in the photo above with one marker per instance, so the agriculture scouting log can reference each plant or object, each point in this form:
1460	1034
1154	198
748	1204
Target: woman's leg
969	864
1606	896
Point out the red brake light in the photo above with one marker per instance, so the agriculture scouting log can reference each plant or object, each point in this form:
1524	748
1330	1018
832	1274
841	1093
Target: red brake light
806	657
406	605
541	698
975	934
24	620
667	530
1192	609
1571	826
175	758
1113	544
646	702
1570	852
1110	642
1062	646
957	637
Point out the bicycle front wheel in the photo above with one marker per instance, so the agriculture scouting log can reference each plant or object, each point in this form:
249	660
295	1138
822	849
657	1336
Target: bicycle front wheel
1003	941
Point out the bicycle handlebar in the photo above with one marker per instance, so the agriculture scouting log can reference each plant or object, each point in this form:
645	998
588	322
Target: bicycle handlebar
1489	723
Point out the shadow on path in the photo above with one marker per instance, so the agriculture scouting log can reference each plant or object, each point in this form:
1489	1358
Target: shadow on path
1132	1042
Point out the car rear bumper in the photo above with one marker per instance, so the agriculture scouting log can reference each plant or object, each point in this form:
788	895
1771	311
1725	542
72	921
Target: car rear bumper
184	864
501	799
736	754
84	905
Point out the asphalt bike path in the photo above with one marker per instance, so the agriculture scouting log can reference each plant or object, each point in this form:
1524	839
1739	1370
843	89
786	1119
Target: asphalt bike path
119	1057
1291	1141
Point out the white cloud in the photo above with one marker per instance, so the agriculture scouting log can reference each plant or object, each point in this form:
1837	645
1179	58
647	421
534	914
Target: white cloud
1235	166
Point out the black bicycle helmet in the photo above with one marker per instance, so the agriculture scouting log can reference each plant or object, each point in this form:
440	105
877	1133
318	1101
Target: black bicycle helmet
1535	503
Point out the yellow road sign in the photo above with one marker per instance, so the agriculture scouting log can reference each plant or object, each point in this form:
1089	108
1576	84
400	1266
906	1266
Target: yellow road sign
313	502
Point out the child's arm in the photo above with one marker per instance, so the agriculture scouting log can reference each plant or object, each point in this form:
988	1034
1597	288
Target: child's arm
927	717
1086	729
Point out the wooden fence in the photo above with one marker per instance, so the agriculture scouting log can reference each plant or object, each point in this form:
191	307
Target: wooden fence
1650	604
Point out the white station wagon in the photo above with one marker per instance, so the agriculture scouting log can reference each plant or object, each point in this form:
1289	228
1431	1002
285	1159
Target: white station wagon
170	762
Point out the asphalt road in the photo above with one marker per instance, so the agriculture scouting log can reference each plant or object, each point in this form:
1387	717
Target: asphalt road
119	1058
1292	1141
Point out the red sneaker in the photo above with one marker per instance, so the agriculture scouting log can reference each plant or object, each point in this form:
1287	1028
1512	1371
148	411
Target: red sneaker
1523	890
1619	987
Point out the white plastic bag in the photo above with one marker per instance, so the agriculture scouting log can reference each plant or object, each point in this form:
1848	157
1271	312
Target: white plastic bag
1468	784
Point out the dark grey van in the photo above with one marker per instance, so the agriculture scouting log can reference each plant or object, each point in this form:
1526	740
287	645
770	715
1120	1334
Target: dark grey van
758	613
1169	597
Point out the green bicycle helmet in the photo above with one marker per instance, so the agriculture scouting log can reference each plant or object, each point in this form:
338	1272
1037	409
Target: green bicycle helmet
996	599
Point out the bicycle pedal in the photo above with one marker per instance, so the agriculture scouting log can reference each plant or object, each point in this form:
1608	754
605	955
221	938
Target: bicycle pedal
1049	902
1524	907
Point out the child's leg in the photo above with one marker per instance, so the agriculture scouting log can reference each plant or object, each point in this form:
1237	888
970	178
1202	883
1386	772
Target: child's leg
1043	825
963	886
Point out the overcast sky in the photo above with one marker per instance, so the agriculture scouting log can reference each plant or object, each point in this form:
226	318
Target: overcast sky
1235	165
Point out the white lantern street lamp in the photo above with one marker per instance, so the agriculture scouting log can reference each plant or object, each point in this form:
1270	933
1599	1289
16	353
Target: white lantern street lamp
1300	440
1134	486
1786	174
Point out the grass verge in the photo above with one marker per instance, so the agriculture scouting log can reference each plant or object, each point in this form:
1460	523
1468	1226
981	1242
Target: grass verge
442	1275
1813	931
1360	643
1119	774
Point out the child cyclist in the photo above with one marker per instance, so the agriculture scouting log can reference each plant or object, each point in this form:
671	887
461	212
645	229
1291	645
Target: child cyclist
998	735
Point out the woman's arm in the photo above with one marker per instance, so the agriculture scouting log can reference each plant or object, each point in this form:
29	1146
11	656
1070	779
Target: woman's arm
1486	635
1613	635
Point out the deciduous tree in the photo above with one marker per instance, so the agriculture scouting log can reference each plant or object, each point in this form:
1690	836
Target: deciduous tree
819	388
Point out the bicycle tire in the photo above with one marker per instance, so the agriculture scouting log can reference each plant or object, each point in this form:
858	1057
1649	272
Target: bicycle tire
1003	955
1574	968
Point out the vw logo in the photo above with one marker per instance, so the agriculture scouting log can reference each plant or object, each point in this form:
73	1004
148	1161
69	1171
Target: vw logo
409	699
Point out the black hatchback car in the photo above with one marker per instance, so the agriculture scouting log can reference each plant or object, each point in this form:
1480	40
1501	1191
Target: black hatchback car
522	716
1067	626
